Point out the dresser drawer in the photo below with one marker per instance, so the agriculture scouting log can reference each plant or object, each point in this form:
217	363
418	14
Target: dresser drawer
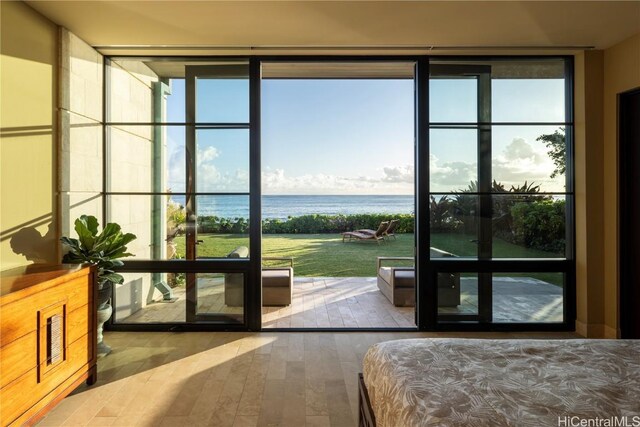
17	358
18	396
21	317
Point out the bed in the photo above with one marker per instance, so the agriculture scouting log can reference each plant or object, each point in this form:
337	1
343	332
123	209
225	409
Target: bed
477	382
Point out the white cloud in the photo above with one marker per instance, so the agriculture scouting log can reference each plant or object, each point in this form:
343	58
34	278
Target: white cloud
450	176
393	180
519	161
398	174
210	178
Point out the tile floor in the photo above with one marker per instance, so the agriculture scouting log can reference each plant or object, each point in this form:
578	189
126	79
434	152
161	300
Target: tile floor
356	302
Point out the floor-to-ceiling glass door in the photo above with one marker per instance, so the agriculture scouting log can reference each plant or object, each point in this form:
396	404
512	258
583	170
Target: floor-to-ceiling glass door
459	133
184	137
494	188
500	193
217	174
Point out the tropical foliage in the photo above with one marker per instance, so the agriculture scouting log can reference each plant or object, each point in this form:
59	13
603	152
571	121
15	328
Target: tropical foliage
556	144
520	215
100	249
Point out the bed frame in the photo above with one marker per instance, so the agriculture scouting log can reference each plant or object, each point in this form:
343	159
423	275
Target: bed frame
366	417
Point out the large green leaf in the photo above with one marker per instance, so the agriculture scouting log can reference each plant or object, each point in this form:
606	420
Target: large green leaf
112	277
85	235
98	249
92	224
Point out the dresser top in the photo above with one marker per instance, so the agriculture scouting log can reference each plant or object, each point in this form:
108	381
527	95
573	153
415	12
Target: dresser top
21	278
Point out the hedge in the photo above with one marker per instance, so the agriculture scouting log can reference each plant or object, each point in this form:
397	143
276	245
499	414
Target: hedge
306	224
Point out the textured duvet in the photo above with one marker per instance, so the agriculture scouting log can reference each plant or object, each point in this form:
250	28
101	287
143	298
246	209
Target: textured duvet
472	382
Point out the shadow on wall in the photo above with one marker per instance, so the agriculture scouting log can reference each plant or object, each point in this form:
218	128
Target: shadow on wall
32	245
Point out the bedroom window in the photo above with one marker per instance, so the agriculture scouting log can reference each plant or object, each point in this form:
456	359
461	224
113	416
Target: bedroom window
500	191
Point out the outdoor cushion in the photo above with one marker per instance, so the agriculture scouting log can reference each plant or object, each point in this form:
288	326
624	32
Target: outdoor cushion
239	252
404	278
276	278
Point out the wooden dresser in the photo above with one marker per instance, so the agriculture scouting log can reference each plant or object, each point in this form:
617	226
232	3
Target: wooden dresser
47	338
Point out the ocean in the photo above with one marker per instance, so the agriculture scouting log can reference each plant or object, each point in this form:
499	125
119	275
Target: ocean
282	207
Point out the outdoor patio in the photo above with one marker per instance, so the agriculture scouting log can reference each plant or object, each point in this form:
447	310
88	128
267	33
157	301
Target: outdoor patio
356	302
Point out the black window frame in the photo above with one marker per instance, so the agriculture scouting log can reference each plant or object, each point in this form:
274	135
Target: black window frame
426	268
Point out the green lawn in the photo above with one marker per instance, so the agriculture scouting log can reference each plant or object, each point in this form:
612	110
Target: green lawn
325	254
313	254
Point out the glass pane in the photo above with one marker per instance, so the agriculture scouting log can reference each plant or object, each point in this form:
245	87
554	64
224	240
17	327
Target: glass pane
223	226
453	159
147	298
173	107
454	225
220	295
528	91
222	96
222	160
531	154
453	100
146	159
162	297
457	293
157	221
528	297
528	226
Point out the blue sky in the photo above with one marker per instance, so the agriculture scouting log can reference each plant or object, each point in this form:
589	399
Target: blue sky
356	136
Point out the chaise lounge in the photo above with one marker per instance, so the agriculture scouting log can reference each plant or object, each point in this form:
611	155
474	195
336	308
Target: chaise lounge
367	234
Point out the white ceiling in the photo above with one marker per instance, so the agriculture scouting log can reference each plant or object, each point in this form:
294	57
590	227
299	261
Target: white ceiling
283	26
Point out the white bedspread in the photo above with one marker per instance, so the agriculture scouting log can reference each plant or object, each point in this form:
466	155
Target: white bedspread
473	382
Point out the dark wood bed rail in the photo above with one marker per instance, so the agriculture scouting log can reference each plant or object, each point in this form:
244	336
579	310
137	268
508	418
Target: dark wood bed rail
366	417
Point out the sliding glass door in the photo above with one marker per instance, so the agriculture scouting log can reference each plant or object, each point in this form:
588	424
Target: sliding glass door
181	164
500	193
494	217
217	176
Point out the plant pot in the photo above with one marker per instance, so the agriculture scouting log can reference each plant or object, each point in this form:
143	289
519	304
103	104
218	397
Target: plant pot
104	313
104	294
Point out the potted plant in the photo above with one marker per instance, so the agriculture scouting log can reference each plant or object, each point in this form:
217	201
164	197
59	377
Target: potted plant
102	250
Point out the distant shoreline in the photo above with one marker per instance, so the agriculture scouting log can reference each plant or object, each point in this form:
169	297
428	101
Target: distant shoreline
285	206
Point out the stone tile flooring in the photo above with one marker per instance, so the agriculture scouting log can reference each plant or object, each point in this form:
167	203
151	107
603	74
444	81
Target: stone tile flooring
356	302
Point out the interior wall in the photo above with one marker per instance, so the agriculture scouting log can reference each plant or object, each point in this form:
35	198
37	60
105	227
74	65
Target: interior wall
80	118
621	73
588	105
28	147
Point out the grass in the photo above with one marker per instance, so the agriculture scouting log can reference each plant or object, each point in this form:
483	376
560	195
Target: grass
325	255
313	254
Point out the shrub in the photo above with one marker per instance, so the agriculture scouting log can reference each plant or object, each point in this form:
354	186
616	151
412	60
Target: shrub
540	225
306	224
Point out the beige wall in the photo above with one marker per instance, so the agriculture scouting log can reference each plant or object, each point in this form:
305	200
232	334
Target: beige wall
621	73
589	192
599	77
80	122
28	97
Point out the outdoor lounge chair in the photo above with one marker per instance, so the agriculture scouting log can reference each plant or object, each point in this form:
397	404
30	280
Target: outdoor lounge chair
366	234
393	224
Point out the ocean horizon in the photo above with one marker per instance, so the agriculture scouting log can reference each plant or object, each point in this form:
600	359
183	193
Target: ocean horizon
285	206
